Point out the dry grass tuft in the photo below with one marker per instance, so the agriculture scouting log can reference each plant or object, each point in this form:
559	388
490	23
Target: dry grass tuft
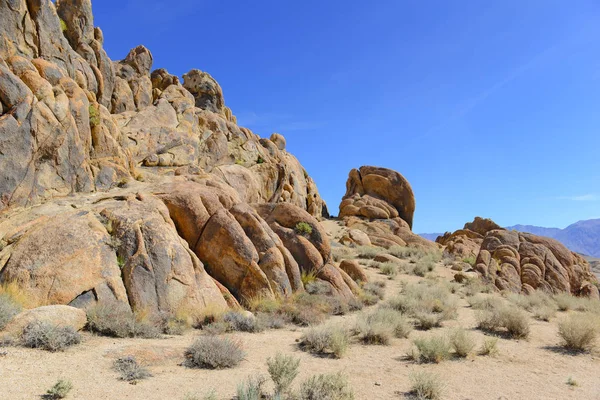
50	337
462	343
213	352
130	370
283	369
507	319
489	347
432	349
326	387
426	386
117	320
330	339
579	332
60	390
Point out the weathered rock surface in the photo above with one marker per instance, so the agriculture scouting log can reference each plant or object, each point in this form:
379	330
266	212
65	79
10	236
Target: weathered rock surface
175	227
521	262
378	193
354	270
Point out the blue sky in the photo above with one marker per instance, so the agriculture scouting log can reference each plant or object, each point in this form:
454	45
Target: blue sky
487	108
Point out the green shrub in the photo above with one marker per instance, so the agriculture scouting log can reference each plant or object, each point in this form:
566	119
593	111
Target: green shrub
433	349
489	347
308	276
47	336
471	260
579	332
130	370
326	340
326	387
94	115
260	160
426	385
303	228
60	390
462	343
213	352
252	388
8	309
283	370
63	25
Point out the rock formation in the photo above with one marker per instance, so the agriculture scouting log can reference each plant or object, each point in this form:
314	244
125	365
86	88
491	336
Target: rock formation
121	183
380	204
521	262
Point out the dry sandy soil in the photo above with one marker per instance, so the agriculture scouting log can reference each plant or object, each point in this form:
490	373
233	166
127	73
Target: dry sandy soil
523	369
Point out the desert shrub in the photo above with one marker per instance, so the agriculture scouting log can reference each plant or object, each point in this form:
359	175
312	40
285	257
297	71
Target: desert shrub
483	302
585	304
422	267
8	309
214	352
216	328
94	115
326	387
252	388
303	228
208	315
270	321
375	288
462	342
327	339
430	304
369	251
379	326
308	276
432	349
565	302
510	319
401	251
47	336
242	323
579	332
340	253
130	370
489	347
389	269
537	300
426	386
264	304
475	285
471	260
572	382
283	370
117	320
318	287
543	312
60	390
174	323
308	309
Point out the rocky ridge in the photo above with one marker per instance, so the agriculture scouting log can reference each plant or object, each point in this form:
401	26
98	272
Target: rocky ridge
122	183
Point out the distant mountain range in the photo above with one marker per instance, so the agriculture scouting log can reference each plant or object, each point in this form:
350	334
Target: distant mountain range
582	237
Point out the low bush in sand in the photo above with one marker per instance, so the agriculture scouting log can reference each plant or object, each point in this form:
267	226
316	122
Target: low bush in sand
389	269
426	386
484	302
9	308
117	320
540	304
474	286
504	319
213	352
462	342
489	347
130	370
380	326
429	303
60	390
330	339
369	251
326	387
283	369
50	337
565	301
340	253
579	332
432	349
252	388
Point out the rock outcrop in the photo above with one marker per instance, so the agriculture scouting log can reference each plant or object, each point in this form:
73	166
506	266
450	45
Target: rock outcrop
120	183
380	204
521	262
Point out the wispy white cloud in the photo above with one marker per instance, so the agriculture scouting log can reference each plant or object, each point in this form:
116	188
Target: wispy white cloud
585	197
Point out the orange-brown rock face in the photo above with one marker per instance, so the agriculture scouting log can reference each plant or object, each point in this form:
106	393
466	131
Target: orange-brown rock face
378	193
380	203
520	262
140	186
